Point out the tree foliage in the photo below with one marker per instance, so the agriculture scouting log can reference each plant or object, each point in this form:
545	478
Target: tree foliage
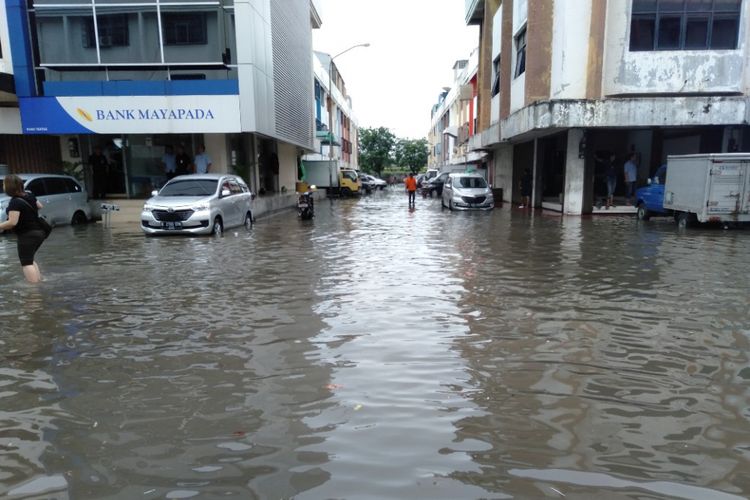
411	153
375	148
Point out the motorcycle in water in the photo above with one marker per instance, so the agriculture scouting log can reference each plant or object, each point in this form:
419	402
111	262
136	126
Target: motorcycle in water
306	205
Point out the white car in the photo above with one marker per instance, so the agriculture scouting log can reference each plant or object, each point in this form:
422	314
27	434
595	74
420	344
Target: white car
63	198
198	204
467	192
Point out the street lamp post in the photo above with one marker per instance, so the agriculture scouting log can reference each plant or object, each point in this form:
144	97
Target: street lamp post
330	111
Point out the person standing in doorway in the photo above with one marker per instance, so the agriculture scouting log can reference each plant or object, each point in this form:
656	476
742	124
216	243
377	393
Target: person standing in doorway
631	176
100	172
23	216
202	161
168	160
527	183
182	162
610	173
411	188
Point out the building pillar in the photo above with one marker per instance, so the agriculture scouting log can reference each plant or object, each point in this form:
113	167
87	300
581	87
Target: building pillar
575	174
503	156
535	174
216	147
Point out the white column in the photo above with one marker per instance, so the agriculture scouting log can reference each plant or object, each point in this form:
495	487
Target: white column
504	170
216	147
575	175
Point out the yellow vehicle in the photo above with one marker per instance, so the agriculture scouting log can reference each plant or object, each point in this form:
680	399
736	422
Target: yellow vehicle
349	182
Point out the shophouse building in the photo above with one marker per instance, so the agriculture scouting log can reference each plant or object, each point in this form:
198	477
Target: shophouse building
563	83
134	77
453	121
18	152
336	128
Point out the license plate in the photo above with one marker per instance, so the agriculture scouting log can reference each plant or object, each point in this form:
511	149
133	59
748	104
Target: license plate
171	225
302	205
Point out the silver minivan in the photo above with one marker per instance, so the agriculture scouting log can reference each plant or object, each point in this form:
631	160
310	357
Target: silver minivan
466	192
64	199
198	204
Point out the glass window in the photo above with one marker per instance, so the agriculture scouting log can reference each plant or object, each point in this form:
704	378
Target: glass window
669	33
193	36
684	24
696	33
37	188
190	187
56	185
496	78
72	186
471	182
61	36
112	29
234	187
184	29
724	33
520	54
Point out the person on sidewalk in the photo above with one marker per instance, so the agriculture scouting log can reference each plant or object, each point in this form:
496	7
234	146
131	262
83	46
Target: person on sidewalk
182	162
169	162
100	172
610	172
23	216
527	183
411	188
202	161
631	176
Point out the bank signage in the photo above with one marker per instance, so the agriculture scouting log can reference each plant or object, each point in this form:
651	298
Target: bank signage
130	114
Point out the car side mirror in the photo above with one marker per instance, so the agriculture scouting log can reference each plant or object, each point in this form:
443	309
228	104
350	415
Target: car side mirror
154	192
225	193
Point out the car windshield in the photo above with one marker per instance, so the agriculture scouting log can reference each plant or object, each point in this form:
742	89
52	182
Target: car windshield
470	182
190	187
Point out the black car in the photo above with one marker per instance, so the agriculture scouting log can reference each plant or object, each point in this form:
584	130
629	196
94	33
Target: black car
434	185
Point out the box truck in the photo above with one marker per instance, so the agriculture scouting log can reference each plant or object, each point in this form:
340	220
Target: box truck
335	180
700	188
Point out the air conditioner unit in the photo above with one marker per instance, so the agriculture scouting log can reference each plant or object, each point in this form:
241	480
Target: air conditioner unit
105	41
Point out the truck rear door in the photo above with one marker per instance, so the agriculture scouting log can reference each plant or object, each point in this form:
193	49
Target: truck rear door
727	186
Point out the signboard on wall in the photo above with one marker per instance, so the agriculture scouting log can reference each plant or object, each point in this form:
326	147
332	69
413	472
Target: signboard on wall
130	114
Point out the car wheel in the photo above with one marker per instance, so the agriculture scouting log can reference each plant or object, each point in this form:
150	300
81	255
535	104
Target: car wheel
643	213
248	221
346	192
218	227
683	220
78	218
450	205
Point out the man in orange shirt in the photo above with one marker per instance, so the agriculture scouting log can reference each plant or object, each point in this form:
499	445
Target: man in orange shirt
411	188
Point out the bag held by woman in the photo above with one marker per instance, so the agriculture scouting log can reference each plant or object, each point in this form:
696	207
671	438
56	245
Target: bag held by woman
43	224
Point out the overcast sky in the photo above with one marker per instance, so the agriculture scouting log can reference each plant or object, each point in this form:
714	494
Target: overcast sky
414	43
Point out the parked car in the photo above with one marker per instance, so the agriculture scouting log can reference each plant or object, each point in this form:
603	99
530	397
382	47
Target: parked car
650	198
467	191
435	185
377	182
64	199
198	204
368	182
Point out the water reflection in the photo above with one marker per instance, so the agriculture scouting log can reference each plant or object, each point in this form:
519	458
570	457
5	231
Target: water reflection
380	352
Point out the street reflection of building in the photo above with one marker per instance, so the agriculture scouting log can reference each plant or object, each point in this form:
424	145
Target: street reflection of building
562	83
579	358
134	78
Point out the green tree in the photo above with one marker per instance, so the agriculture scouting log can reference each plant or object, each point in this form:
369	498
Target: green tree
375	148
411	154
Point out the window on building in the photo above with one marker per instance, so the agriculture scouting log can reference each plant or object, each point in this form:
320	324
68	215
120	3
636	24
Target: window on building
684	24
520	53
184	28
112	30
496	77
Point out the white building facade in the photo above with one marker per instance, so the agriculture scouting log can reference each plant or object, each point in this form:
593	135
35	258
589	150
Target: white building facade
134	78
564	83
336	126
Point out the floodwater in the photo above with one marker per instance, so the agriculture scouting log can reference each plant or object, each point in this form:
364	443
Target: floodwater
378	352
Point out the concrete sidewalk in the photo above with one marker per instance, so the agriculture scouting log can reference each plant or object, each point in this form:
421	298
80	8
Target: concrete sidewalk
128	217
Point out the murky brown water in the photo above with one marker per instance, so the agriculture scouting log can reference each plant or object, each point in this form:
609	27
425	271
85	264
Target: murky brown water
380	353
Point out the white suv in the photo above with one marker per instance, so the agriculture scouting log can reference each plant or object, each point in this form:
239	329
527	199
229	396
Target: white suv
64	199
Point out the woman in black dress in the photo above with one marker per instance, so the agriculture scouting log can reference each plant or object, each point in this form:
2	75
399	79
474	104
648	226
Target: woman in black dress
23	215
